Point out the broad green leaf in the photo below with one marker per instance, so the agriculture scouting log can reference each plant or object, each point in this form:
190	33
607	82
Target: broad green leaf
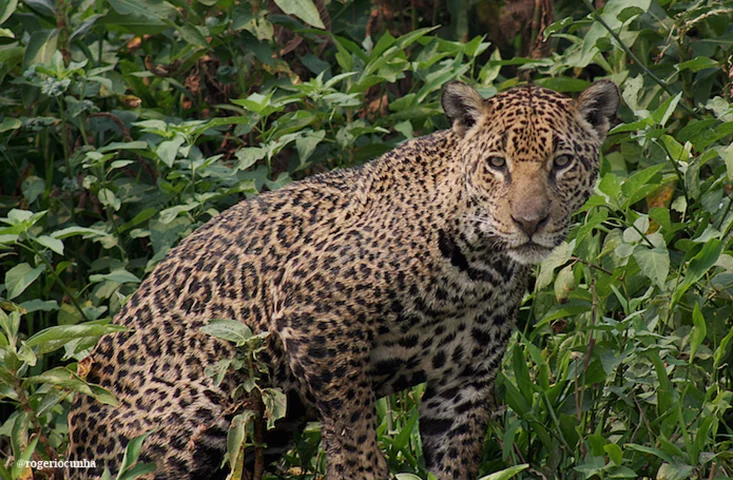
665	396
130	468
116	146
666	109
628	13
638	185
650	451
168	150
614	453
117	276
675	471
521	373
558	257
103	395
303	9
275	405
157	9
41	47
698	266
237	436
698	63
170	214
514	397
507	473
52	243
230	330
32	188
610	184
7	7
699	330
564	284
53	338
10	123
307	145
108	198
84	231
36	305
654	263
18	278
720	351
63	378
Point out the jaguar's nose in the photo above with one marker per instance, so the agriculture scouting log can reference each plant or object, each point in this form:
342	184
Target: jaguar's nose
531	223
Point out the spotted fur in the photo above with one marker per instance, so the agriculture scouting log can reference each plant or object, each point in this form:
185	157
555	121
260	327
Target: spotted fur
370	280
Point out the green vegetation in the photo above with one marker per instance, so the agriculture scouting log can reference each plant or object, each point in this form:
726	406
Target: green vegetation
125	125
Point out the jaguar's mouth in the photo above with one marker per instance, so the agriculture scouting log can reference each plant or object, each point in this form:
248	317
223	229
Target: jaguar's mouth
529	253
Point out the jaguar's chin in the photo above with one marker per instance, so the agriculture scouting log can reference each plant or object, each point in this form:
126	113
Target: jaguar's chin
529	253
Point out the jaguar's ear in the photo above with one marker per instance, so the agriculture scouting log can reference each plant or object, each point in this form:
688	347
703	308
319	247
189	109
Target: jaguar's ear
463	105
598	105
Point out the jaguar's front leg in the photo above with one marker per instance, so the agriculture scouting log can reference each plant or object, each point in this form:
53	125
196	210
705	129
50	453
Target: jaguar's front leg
453	421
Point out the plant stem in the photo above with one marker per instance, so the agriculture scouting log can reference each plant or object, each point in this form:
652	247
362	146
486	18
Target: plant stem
56	278
633	57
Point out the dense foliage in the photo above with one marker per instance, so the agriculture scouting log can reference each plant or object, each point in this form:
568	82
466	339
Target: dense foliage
124	125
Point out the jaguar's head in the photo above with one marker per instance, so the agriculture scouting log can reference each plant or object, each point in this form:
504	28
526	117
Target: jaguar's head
530	159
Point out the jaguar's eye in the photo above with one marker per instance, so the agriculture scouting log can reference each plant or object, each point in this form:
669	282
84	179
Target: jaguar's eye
497	162
562	161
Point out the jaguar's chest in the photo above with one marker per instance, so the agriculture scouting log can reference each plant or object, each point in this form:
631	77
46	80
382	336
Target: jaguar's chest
445	340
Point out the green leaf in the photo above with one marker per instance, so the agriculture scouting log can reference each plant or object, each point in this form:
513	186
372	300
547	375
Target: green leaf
521	373
36	305
699	265
103	395
170	214
154	9
18	278
275	405
52	243
638	185
507	473
653	263
7	7
53	338
248	156
699	330
10	123
130	469
649	450
307	145
614	453
41	47
564	284
698	63
665	397
675	471
116	146
168	150
629	13
230	330
109	199
303	9
32	187
117	276
665	110
237	436
720	352
63	378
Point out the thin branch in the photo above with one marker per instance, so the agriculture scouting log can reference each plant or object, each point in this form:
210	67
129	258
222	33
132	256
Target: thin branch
628	51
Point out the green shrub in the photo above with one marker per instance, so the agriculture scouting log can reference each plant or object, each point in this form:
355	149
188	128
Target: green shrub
126	125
